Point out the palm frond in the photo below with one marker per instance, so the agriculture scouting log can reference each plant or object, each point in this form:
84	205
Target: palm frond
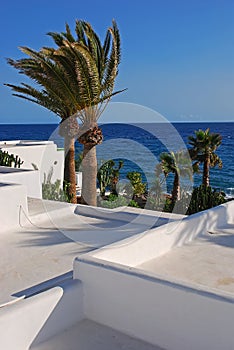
77	77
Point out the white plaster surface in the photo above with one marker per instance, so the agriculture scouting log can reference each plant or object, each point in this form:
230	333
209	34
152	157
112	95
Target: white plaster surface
137	282
89	335
79	179
205	262
48	241
12	198
160	240
36	319
169	314
172	286
29	178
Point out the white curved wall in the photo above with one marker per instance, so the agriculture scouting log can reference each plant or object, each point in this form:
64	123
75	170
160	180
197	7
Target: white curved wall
34	320
148	245
29	178
169	315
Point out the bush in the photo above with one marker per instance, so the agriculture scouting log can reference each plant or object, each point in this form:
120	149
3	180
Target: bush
53	191
137	186
108	176
133	204
155	202
113	201
205	198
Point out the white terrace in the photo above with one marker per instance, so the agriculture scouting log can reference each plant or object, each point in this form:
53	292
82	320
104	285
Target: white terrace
82	278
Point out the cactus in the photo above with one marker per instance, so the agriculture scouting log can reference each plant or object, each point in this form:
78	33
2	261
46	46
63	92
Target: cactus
139	188
53	191
204	198
104	176
115	178
9	160
17	162
108	176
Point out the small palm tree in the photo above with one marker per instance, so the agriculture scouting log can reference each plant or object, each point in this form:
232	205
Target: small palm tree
179	164
76	80
204	144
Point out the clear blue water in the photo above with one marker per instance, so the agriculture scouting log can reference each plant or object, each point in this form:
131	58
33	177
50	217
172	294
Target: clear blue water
124	141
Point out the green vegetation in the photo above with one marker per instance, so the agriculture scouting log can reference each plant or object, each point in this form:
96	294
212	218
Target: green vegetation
137	187
204	144
53	191
113	201
179	164
203	198
10	160
133	204
108	176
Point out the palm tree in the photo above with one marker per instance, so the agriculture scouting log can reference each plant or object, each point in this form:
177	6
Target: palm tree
76	80
55	94
204	144
179	164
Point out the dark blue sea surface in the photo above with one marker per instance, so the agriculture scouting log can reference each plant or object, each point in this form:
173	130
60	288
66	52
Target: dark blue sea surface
140	145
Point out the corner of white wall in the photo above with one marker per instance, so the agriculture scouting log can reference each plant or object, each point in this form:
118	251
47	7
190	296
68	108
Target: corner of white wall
13	199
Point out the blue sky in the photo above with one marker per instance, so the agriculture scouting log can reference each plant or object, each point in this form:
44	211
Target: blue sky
177	55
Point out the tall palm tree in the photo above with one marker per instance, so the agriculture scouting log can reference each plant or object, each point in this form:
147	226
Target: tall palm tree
76	80
179	164
55	93
204	144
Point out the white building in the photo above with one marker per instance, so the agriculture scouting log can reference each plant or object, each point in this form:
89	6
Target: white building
40	159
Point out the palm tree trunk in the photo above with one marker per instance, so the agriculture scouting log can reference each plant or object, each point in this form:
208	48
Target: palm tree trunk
69	167
206	172
89	178
176	188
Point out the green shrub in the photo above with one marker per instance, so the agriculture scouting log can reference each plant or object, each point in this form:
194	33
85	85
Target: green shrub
136	185
205	198
155	202
53	191
168	205
113	201
180	206
108	176
133	204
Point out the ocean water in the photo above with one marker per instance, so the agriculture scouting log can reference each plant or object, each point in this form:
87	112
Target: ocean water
140	145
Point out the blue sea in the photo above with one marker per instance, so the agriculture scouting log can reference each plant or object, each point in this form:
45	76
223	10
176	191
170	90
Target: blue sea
140	145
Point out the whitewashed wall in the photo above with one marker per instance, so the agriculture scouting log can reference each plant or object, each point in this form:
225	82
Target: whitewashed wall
29	178
148	245
43	154
166	314
34	320
12	200
79	179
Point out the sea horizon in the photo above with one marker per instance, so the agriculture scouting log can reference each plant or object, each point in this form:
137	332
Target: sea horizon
125	140
113	122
